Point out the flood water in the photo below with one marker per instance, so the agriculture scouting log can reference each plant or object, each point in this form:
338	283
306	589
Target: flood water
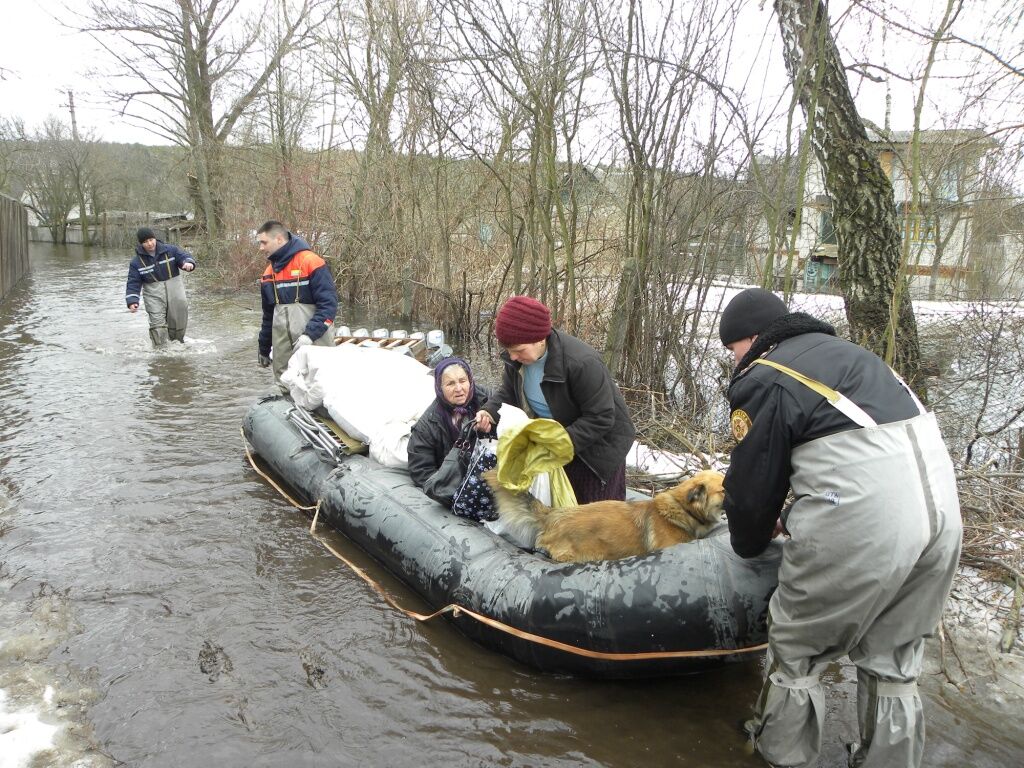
181	615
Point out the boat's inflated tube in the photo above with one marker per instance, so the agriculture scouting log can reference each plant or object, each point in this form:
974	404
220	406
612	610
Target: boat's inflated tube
692	597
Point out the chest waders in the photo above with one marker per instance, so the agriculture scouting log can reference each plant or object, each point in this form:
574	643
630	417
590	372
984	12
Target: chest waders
289	323
875	536
166	306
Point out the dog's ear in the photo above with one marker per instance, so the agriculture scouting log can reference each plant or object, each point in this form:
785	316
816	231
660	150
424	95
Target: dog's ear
697	494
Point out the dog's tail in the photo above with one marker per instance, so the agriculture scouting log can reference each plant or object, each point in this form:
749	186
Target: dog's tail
520	514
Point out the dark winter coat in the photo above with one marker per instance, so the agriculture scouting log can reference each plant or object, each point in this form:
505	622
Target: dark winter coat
582	397
772	413
431	439
165	263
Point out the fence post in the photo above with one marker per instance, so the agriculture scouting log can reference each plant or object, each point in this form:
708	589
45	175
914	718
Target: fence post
407	291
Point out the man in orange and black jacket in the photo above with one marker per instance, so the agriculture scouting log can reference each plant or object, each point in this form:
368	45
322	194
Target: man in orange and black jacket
299	297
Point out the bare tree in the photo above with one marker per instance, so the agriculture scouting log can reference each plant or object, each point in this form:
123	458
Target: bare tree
12	142
192	72
659	69
57	173
530	65
368	53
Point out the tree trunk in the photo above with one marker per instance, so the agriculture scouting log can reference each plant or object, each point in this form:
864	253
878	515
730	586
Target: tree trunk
863	209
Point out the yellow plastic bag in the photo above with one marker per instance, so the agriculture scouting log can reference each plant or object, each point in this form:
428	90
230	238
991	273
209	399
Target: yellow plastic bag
533	447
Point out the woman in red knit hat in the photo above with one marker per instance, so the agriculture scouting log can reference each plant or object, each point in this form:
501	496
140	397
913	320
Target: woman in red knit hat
550	374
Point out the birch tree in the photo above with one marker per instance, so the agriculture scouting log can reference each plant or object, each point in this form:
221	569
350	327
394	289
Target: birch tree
863	207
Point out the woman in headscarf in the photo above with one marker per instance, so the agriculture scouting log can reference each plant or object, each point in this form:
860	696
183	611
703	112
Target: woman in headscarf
458	400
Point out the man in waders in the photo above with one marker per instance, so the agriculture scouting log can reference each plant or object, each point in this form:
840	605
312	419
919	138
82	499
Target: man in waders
873	536
156	271
299	298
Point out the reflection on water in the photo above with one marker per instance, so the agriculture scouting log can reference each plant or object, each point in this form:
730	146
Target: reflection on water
182	615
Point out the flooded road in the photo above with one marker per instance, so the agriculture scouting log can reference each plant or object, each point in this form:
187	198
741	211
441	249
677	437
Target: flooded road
161	606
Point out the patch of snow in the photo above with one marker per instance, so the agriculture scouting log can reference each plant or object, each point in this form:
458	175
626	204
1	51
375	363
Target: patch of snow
665	464
23	734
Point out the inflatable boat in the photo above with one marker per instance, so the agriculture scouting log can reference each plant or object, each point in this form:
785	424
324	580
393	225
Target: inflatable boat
679	610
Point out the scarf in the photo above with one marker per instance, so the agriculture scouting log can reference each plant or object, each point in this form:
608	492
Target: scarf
454	414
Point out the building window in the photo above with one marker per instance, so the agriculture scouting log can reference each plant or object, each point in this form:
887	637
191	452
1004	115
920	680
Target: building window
826	231
920	229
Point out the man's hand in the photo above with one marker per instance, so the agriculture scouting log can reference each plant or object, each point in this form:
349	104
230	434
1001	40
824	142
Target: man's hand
188	266
778	531
263	360
484	422
302	341
133	307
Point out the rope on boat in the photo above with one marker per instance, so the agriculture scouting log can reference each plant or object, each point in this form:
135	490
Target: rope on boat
458	610
269	479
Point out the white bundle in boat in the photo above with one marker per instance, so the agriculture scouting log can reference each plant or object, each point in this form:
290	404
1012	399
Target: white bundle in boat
375	395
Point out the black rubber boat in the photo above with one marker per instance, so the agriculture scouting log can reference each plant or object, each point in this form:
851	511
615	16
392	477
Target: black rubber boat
680	610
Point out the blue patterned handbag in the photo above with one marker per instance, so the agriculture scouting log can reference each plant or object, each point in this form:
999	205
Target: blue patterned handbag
473	500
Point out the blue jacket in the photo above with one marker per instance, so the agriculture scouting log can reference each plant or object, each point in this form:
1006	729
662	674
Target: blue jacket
164	264
296	275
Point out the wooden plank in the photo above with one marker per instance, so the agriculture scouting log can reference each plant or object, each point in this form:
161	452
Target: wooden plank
416	347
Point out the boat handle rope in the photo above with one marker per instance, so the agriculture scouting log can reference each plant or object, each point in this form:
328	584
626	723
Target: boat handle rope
458	610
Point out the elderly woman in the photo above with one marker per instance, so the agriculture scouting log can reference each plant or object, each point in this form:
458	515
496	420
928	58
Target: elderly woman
458	399
553	375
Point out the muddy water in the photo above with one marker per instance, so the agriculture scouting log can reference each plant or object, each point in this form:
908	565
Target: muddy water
163	607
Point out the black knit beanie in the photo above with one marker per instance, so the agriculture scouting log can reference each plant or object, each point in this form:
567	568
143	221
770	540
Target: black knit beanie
750	312
144	234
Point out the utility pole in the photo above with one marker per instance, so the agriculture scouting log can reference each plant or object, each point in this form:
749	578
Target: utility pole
74	121
83	214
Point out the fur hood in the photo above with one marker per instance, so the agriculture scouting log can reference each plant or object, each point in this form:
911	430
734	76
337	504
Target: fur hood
786	327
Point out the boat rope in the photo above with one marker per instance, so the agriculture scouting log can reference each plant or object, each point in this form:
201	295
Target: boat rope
269	479
458	610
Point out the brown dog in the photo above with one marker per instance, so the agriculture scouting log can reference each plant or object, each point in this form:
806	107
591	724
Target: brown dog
610	530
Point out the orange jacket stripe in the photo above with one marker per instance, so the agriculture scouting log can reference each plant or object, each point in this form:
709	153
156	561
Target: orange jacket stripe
300	267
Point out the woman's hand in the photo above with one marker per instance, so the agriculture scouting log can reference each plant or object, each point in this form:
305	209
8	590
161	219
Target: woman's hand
484	422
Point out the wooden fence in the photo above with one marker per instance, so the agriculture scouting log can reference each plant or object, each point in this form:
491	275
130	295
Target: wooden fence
13	244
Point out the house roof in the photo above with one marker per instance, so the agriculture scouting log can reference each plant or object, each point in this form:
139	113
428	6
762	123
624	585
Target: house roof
956	137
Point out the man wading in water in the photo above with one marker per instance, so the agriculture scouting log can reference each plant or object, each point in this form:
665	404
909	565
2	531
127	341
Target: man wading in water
156	271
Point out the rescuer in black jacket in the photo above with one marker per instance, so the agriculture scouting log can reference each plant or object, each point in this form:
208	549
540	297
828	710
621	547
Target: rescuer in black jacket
873	533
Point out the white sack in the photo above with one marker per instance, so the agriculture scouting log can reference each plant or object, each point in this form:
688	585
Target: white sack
375	395
301	378
390	444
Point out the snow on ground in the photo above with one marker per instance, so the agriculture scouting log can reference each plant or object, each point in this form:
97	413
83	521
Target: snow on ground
823	304
983	606
23	732
667	465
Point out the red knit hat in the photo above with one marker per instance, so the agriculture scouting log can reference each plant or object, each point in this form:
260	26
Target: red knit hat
522	320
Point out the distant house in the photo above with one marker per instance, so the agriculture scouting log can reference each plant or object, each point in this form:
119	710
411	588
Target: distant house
118	228
936	226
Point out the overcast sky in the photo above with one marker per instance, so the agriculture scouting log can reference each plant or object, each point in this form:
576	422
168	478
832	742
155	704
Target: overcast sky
43	59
